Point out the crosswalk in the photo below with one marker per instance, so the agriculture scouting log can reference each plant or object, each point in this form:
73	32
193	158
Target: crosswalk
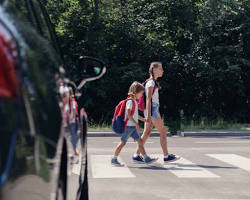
209	199
233	159
186	169
101	166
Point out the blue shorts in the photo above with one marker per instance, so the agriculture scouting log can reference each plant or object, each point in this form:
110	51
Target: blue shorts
155	111
130	132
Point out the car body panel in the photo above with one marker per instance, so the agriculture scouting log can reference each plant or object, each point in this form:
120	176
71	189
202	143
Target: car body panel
33	139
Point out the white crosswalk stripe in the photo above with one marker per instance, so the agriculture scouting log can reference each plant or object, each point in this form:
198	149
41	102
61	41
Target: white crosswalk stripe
222	142
184	168
102	168
209	199
76	169
233	159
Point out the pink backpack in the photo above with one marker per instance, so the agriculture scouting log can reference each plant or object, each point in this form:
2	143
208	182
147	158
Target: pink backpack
142	101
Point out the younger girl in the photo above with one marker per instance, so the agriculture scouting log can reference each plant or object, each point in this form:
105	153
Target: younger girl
136	90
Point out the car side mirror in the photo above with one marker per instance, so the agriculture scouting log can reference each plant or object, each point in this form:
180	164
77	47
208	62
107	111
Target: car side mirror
90	69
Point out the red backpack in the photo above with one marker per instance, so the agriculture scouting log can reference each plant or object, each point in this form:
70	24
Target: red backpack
118	123
141	101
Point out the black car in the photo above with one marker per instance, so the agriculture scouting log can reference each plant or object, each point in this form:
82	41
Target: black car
36	159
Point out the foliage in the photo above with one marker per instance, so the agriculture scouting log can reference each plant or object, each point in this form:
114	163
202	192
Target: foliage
203	44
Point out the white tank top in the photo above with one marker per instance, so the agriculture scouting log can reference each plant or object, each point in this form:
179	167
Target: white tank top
155	96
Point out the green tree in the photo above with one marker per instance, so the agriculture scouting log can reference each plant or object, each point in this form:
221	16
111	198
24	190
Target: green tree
203	44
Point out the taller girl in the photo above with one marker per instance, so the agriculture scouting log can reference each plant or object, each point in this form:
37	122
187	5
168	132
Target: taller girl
152	114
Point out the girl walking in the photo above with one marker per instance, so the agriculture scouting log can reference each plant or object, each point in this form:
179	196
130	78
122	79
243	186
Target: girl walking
152	114
132	129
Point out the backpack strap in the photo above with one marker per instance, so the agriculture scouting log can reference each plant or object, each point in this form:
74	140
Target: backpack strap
132	111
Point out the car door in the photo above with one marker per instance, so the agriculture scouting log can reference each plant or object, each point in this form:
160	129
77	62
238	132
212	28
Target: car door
31	145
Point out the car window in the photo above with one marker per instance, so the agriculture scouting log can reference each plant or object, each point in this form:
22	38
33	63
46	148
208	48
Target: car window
43	23
35	14
20	8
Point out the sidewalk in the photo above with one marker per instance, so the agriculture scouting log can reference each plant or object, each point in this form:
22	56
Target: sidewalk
185	133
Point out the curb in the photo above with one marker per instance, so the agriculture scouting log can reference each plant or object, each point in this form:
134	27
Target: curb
112	134
186	133
216	133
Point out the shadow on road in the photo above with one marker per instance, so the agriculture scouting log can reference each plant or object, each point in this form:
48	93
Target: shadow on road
187	167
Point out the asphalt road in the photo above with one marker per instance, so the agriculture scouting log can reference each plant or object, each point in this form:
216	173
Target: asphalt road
209	168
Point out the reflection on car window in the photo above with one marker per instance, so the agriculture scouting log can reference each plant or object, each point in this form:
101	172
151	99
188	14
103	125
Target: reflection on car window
35	14
40	20
45	26
97	70
23	8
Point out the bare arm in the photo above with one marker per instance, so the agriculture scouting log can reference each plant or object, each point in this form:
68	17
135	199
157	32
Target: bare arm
148	102
141	118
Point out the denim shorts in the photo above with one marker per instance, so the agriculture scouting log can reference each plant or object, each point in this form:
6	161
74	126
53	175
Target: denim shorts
154	112
130	132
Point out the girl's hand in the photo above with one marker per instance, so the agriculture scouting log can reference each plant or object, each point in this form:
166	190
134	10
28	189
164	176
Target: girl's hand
148	119
141	118
138	128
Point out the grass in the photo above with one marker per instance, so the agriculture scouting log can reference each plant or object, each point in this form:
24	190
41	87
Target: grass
217	124
101	126
191	125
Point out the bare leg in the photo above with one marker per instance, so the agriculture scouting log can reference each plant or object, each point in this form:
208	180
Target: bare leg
119	148
158	123
146	133
141	147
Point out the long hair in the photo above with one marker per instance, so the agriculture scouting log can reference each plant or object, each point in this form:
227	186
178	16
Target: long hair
135	88
153	66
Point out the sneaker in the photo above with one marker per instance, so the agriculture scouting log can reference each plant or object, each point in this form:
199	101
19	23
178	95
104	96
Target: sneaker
138	159
171	158
116	163
149	160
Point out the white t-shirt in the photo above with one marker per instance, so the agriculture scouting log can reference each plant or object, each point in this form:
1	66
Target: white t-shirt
155	97
129	105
